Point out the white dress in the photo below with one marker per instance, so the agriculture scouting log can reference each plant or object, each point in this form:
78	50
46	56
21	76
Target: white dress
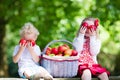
26	63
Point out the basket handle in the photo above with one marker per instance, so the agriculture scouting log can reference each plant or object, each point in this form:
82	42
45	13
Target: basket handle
54	41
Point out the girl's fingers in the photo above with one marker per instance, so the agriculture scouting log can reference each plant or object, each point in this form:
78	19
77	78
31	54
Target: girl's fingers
20	44
83	28
25	44
91	30
30	44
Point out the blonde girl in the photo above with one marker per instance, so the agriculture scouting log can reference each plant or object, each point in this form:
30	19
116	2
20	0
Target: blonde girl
88	45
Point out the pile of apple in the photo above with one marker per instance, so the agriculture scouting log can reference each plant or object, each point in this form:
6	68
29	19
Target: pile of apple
62	50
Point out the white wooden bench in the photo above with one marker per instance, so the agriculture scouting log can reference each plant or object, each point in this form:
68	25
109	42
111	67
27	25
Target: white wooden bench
110	78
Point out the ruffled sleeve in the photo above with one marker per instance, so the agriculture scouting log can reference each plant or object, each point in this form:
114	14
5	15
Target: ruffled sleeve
95	45
78	43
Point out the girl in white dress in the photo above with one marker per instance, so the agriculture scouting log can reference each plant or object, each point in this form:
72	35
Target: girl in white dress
27	53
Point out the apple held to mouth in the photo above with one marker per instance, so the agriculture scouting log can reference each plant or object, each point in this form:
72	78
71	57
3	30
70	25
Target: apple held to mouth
22	41
32	42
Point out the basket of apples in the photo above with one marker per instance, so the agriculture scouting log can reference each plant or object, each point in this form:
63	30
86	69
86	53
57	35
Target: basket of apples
60	61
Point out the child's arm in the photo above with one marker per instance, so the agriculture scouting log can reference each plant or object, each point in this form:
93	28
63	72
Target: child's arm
78	42
95	45
35	53
17	55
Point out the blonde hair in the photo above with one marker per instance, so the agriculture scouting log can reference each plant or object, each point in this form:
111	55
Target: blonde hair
89	19
28	28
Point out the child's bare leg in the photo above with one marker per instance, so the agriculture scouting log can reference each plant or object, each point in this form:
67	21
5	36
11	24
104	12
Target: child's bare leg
27	76
103	76
45	74
36	76
42	73
86	75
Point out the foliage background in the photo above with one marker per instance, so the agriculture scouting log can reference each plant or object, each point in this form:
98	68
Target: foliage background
59	19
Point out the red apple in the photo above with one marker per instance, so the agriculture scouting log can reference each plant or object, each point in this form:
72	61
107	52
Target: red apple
66	46
32	42
54	51
96	22
61	49
91	27
59	55
22	41
68	52
74	53
48	51
84	24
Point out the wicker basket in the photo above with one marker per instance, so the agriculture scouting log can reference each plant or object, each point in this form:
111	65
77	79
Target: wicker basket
60	66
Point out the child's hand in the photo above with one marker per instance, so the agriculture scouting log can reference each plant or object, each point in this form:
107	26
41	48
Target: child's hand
22	46
92	32
29	46
83	30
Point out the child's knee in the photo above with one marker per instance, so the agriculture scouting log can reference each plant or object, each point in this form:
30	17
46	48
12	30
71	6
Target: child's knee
86	75
87	72
103	75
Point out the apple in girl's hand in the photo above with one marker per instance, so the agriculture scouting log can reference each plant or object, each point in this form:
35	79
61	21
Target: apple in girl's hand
68	52
96	22
61	49
84	24
22	41
91	27
48	51
54	51
74	53
32	42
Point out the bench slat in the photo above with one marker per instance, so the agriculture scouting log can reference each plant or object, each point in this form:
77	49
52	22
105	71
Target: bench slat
110	78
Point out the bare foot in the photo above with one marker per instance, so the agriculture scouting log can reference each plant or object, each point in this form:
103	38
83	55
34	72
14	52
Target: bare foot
48	77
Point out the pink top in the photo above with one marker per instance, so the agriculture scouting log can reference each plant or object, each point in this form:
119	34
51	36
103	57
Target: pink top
85	57
88	49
